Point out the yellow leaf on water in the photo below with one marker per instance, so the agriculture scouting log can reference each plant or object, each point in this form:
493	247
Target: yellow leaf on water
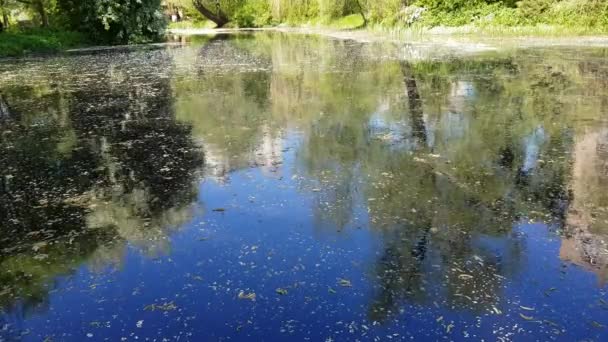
249	296
527	318
345	283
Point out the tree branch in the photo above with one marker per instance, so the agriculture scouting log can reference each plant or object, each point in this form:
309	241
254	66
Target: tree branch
220	19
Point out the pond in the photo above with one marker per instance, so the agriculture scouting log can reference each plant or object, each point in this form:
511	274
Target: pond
281	187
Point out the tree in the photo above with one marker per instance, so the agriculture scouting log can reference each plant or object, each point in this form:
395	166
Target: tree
115	21
219	17
3	8
362	12
40	7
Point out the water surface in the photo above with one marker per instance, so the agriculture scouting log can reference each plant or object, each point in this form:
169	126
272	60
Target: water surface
287	187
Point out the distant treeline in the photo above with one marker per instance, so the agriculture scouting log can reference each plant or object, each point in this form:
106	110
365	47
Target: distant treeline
137	21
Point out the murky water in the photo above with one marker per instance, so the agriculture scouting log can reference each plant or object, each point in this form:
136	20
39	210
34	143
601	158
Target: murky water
287	187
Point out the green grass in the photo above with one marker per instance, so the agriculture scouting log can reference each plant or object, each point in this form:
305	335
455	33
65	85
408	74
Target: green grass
207	24
15	44
352	21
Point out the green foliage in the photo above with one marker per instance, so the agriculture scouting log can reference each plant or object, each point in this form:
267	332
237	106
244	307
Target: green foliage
578	15
532	10
450	5
591	14
385	11
348	22
188	9
255	13
115	21
14	44
142	21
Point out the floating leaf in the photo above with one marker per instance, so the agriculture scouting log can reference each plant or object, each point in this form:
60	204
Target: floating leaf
527	318
550	290
281	291
551	323
344	283
248	296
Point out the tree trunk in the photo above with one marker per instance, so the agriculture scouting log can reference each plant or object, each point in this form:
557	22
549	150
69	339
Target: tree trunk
38	6
44	18
362	12
220	19
4	23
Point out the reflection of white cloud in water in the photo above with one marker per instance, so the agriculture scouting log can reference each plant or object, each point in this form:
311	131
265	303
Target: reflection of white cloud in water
453	124
532	145
267	155
461	93
398	134
450	127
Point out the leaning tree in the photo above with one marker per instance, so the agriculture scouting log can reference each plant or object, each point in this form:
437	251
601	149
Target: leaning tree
212	10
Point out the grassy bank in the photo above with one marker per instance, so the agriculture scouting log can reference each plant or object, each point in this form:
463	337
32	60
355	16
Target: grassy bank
15	44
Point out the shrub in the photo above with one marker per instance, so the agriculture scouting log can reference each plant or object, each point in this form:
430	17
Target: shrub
533	10
255	13
115	21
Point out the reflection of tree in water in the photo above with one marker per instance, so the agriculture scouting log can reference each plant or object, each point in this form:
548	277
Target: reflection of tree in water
440	199
414	103
224	97
112	167
448	261
482	154
527	178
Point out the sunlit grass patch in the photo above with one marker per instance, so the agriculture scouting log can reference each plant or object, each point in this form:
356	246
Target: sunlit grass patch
349	22
207	24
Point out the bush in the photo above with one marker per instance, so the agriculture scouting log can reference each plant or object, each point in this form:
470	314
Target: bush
385	11
451	5
255	13
532	11
115	21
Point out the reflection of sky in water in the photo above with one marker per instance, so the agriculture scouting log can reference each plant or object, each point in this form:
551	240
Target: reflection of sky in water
532	145
397	134
266	239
